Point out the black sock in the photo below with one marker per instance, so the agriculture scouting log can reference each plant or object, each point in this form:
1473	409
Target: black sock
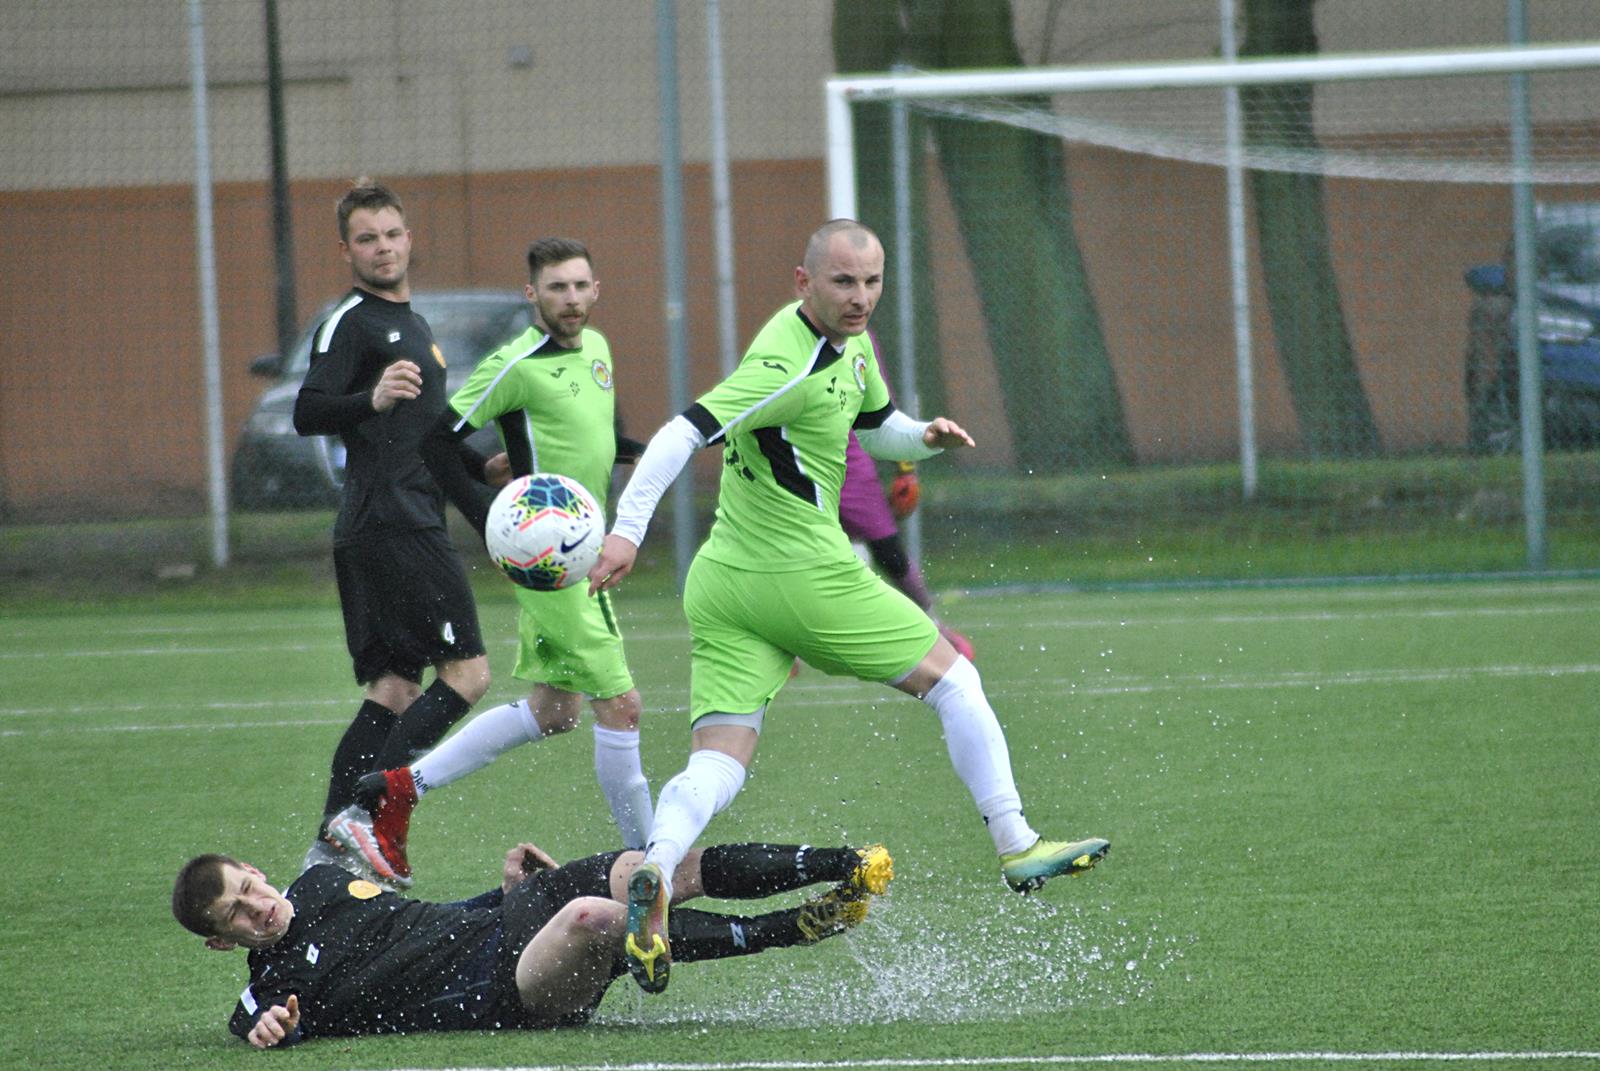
751	871
422	725
357	751
708	935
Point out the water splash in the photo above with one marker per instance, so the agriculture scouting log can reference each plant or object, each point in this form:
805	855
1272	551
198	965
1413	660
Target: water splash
990	956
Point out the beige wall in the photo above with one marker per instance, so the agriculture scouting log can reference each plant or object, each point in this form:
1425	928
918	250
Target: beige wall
99	368
100	360
99	372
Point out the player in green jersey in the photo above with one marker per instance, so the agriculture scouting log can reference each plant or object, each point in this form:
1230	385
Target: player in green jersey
776	578
550	392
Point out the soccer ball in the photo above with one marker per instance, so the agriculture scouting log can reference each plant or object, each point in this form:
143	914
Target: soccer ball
545	531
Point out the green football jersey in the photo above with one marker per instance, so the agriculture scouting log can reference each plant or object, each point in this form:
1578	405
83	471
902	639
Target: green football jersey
786	413
558	402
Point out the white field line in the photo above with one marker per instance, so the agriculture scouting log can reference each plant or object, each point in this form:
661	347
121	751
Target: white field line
1106	1059
1113	686
175	727
826	693
56	650
220	706
152	652
1322	616
334	641
1297	679
291	623
333	645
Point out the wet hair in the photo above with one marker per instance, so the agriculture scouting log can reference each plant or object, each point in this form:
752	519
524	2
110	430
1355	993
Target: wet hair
365	194
197	887
817	245
548	251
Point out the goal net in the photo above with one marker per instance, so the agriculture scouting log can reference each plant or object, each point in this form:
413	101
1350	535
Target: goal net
1241	320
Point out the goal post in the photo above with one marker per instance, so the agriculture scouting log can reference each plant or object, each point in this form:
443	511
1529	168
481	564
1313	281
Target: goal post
1437	139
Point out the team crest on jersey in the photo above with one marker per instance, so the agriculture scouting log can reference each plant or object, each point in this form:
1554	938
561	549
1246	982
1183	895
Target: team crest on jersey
602	374
363	890
438	355
859	367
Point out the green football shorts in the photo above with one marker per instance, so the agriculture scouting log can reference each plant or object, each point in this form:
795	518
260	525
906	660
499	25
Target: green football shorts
570	641
747	629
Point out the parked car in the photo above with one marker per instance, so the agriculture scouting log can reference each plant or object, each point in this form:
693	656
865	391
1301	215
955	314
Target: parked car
275	468
1567	299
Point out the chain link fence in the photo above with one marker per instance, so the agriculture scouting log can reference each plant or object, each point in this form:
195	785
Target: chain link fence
500	121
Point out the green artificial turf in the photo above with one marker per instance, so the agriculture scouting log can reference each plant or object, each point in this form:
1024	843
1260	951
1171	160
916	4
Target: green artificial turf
1347	821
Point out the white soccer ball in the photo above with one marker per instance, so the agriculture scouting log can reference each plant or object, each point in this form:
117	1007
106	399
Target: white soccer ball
545	531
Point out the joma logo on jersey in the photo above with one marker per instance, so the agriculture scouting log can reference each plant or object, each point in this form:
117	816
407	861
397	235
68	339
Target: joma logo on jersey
833	383
731	460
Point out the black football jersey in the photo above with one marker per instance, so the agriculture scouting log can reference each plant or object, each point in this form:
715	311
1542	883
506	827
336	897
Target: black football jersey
386	484
365	961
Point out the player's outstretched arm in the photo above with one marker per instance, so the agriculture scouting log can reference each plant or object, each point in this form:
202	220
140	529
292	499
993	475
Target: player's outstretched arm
276	1024
897	437
458	469
669	451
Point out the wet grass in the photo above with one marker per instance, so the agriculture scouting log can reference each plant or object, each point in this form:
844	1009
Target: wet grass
1349	820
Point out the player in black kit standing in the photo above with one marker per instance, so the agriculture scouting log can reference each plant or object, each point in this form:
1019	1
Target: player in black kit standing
377	380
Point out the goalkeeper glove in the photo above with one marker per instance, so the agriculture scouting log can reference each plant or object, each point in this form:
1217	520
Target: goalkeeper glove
904	491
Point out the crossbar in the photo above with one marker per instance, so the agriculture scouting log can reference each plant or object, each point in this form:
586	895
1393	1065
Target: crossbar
844	90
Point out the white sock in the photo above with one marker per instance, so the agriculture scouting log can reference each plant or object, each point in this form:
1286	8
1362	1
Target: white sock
979	754
621	777
688	803
475	745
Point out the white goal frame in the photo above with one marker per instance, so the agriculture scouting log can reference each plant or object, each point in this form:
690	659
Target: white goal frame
843	91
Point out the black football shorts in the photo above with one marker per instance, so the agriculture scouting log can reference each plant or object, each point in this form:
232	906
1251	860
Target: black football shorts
407	604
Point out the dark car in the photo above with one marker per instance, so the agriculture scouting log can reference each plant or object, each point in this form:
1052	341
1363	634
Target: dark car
275	468
1567	298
